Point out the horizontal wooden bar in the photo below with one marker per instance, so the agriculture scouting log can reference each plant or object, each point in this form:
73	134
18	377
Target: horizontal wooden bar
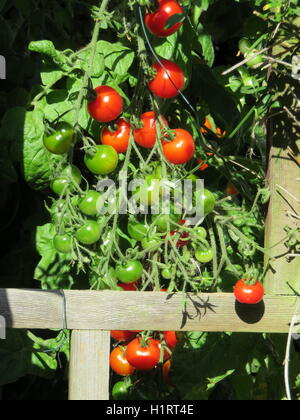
109	310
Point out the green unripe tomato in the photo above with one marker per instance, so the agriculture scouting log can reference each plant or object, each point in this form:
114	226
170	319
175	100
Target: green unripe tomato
244	45
192	177
88	204
149	193
137	231
254	62
63	244
204	255
89	233
103	162
120	391
61	141
69	177
167	273
209	201
151	244
161	221
201	232
131	272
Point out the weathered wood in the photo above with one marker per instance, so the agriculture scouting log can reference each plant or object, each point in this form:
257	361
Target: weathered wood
283	172
89	366
108	310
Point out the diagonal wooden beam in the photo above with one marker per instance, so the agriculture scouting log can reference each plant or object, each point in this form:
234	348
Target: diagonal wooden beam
108	310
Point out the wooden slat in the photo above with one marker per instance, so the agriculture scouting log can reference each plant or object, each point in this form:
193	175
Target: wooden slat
283	172
89	366
107	310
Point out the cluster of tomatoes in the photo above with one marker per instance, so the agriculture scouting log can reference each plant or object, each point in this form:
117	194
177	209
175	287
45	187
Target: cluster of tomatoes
135	352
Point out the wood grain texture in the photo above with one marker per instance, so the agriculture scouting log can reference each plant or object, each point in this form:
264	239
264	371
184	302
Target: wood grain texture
107	310
283	171
89	366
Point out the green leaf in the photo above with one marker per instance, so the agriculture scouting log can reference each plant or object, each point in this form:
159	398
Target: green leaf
117	57
174	19
212	358
221	103
54	269
50	74
37	161
98	63
43	47
208	50
20	356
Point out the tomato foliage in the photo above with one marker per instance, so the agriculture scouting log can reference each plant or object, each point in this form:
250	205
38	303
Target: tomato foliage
149	97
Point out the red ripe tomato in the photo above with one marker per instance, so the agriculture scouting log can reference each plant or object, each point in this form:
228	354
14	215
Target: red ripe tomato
167	355
156	22
231	190
143	357
161	85
204	166
249	294
220	133
123	336
119	362
118	139
146	136
166	372
207	125
171	339
183	240
107	106
181	149
128	287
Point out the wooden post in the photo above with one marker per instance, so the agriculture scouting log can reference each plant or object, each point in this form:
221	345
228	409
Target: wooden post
89	366
283	178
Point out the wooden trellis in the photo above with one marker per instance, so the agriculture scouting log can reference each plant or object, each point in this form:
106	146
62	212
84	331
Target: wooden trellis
91	315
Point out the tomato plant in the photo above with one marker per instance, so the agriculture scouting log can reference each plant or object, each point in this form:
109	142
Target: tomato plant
88	204
120	391
143	356
61	140
146	136
103	162
249	293
158	22
63	243
89	233
130	272
118	139
180	149
168	81
107	105
119	362
120	91
69	178
122	335
204	255
171	339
